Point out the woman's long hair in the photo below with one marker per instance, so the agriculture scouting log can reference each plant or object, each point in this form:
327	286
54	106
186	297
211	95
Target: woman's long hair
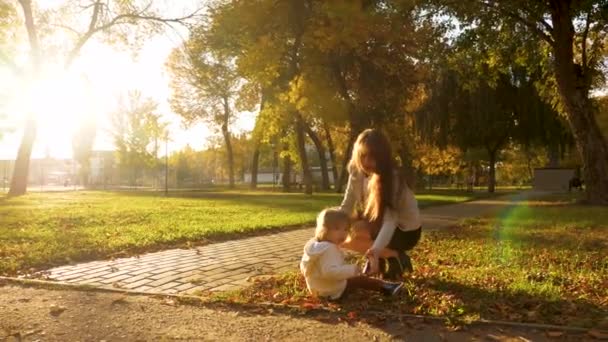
380	187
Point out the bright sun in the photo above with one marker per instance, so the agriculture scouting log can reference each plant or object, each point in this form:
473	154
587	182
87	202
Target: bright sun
60	102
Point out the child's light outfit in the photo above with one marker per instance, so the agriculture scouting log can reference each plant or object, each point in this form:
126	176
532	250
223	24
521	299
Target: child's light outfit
324	269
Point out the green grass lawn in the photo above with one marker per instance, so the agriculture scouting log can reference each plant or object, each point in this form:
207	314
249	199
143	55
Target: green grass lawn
44	229
540	261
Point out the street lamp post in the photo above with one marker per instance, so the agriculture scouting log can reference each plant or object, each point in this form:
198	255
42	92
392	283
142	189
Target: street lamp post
166	165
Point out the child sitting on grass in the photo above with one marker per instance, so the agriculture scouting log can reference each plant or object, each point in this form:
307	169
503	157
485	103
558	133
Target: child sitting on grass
323	266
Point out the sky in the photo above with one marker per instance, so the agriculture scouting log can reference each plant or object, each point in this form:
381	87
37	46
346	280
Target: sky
90	91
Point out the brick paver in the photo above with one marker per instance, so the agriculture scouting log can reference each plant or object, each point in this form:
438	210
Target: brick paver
228	265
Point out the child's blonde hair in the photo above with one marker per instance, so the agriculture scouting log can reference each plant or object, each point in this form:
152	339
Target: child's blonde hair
329	219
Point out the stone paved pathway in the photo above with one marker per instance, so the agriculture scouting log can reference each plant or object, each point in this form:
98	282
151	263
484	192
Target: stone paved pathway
228	265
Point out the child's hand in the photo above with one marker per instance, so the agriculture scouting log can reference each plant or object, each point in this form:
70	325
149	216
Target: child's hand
372	256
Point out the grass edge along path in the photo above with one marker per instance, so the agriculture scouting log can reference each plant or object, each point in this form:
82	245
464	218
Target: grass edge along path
43	230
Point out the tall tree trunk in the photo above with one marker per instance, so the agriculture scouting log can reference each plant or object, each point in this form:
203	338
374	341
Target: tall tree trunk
286	170
347	155
301	140
553	156
492	174
407	167
229	152
574	83
321	151
332	153
22	164
254	166
227	140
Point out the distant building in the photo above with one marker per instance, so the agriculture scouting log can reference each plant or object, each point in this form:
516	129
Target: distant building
104	168
43	171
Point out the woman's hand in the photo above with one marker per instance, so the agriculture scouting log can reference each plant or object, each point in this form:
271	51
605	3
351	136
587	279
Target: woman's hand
372	256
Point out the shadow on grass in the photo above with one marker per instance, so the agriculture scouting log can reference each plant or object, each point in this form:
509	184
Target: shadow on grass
534	233
520	306
466	303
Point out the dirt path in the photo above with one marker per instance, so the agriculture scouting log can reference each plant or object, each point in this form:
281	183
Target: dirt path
31	314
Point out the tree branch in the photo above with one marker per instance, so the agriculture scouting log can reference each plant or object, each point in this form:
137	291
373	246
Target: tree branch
584	47
492	5
95	15
117	21
32	32
67	28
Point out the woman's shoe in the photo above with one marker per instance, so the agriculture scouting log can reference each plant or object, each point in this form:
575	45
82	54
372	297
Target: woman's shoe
394	271
405	261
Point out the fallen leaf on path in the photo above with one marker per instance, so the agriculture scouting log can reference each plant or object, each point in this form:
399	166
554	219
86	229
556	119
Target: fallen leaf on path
555	333
169	301
309	306
122	300
56	310
598	334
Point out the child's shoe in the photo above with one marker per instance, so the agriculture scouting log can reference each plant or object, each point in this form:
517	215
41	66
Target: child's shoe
391	289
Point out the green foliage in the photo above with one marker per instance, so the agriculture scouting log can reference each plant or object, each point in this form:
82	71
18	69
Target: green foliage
8	21
82	146
436	161
518	163
135	132
332	62
204	86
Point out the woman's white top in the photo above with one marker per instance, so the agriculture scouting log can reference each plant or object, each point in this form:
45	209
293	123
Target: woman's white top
405	215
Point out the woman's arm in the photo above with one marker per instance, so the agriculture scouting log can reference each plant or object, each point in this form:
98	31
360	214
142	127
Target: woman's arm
389	224
351	195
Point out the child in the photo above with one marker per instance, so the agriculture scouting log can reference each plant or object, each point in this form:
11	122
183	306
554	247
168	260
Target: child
323	262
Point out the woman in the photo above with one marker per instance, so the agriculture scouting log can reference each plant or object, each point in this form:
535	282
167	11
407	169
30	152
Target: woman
390	221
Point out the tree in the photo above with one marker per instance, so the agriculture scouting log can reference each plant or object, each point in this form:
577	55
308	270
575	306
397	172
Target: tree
435	161
356	57
518	164
206	87
312	134
567	37
601	104
82	146
479	115
111	20
133	133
